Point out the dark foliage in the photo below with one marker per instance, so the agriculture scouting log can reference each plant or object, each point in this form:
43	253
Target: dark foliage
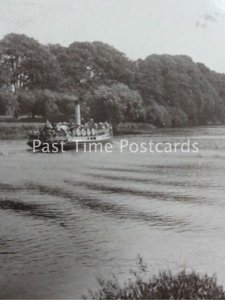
163	90
176	91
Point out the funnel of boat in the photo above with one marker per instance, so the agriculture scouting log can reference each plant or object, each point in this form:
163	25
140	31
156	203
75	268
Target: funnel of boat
77	113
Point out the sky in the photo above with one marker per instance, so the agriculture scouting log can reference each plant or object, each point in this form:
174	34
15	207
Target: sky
136	27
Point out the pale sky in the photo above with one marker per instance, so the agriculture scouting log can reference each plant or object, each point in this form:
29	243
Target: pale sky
136	27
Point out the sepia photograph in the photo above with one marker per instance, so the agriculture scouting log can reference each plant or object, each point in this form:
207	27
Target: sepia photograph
112	149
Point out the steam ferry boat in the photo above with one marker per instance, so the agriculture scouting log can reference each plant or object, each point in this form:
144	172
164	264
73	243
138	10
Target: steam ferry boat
71	135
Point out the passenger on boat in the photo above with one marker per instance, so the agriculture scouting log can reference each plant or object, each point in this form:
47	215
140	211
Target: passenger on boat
91	123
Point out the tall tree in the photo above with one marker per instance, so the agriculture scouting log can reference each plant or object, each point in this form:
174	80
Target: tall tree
28	64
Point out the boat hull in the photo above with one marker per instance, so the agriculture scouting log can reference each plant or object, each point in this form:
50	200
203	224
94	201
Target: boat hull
89	144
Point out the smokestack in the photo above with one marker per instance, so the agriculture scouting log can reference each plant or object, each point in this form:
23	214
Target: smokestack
77	113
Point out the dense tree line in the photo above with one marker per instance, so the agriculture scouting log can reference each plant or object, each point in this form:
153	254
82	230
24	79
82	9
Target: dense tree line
163	90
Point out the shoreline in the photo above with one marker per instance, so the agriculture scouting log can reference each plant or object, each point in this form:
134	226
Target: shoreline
20	130
17	130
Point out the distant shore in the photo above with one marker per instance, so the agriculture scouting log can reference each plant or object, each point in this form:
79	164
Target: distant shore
132	127
20	130
17	130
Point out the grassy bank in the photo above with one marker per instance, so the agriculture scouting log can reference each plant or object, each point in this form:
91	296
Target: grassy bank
17	130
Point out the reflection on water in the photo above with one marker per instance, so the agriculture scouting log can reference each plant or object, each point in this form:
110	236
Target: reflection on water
66	218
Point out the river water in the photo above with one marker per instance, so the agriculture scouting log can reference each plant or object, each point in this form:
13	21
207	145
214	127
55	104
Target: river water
67	218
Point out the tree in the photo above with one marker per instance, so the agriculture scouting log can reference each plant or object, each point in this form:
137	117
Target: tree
29	64
27	102
115	103
8	104
177	91
86	65
46	104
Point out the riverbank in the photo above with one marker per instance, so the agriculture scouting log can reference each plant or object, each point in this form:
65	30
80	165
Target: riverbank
17	130
20	130
131	127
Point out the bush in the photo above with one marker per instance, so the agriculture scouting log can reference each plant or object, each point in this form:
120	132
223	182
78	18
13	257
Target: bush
8	103
183	285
